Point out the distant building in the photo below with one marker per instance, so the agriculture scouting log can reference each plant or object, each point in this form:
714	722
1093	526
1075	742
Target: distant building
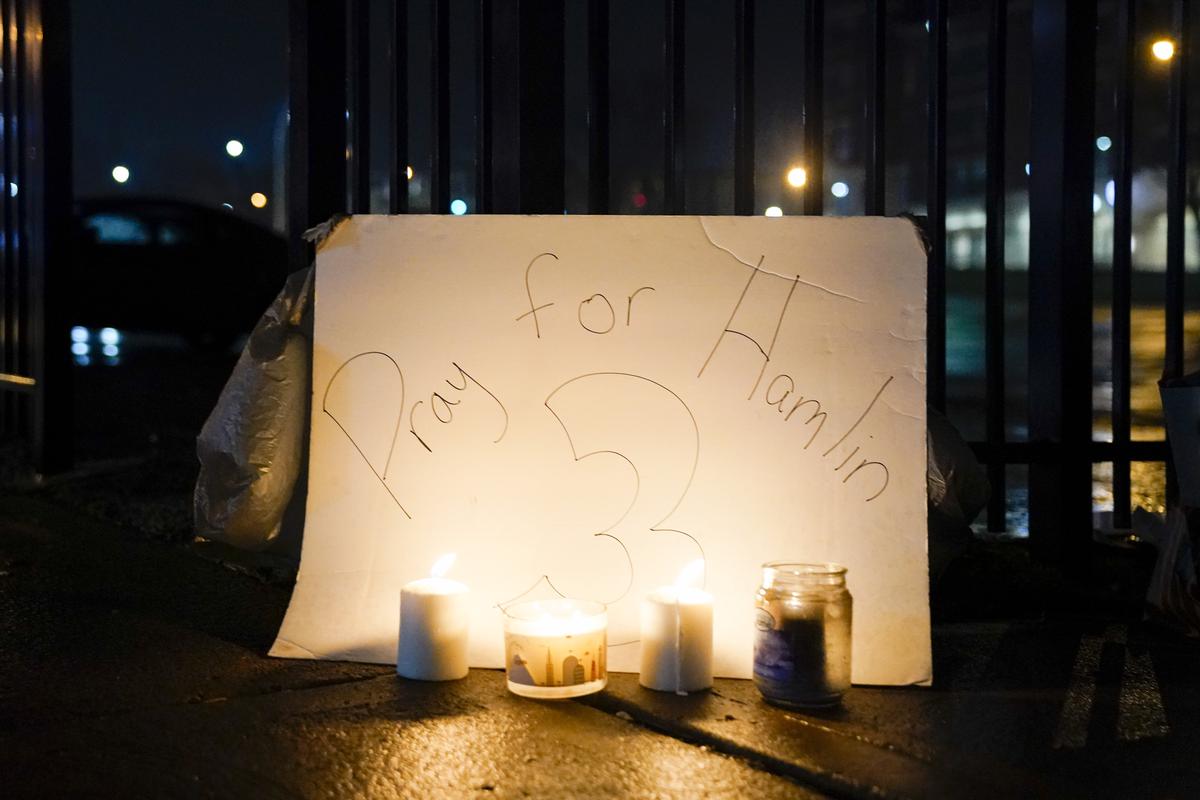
573	672
550	670
519	673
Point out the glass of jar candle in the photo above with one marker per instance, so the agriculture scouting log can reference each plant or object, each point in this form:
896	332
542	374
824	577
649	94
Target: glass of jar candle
555	649
802	637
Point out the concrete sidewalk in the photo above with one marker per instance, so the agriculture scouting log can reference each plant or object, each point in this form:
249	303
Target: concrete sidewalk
135	668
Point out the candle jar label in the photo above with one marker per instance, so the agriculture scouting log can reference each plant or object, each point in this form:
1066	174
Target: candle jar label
802	635
556	666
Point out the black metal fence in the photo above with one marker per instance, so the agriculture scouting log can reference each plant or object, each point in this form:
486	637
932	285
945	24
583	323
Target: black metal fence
35	203
519	165
518	48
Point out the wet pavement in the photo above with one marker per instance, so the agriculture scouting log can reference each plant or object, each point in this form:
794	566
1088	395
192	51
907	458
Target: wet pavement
136	667
132	663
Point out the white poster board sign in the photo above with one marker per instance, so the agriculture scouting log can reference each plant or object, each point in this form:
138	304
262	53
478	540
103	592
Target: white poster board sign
588	404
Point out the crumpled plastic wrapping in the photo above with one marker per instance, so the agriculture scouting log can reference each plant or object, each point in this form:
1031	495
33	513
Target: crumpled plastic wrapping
1181	408
958	491
251	448
1173	596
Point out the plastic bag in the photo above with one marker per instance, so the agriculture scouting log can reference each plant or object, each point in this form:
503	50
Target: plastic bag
958	491
1173	595
1181	408
251	447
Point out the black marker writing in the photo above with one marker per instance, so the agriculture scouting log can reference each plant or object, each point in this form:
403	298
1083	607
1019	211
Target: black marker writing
861	417
657	526
612	319
529	294
596	324
764	351
382	478
442	407
629	305
864	463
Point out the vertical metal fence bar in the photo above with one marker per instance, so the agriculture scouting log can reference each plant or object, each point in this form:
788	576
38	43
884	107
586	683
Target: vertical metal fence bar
542	104
9	402
1173	303
398	152
12	102
358	28
1122	267
598	107
876	178
20	207
814	106
439	135
994	265
506	107
743	107
7	399
1060	280
674	48
483	107
49	101
1176	194
24	178
316	169
936	203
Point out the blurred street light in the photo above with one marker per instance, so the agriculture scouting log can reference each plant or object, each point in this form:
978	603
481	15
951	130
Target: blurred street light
797	176
258	200
234	148
120	173
1163	49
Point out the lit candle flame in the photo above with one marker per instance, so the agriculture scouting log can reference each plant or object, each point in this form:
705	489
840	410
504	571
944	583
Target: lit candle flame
442	565
691	574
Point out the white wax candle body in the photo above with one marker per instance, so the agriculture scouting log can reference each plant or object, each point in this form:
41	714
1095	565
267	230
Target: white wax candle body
676	637
434	623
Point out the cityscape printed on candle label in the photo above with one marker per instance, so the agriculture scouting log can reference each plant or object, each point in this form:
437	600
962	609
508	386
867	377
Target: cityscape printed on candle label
556	661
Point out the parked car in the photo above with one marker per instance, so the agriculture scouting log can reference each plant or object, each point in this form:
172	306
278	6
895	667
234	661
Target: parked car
145	264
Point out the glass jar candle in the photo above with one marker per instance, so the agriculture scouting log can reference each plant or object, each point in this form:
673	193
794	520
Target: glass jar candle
802	641
554	649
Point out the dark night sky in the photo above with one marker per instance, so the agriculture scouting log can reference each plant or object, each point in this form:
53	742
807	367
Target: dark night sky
161	86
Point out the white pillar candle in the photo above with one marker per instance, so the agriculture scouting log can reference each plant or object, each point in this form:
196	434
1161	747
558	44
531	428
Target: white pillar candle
434	622
676	636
